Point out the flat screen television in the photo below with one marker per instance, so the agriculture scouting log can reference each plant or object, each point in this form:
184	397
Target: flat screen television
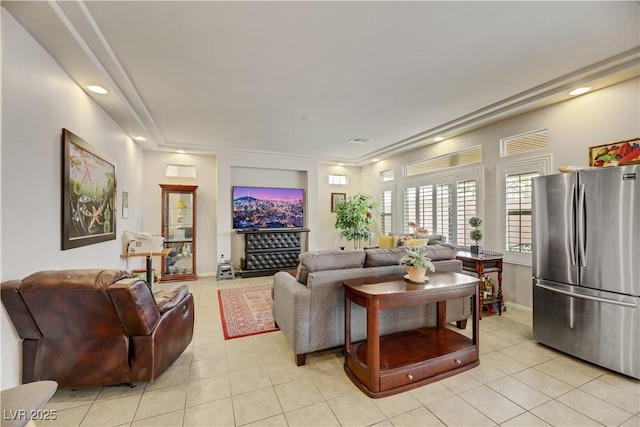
267	207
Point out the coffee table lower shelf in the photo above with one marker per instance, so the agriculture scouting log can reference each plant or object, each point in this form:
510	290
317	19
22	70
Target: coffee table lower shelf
411	359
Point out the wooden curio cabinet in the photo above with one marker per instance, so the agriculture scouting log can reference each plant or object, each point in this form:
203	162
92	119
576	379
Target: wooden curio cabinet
179	232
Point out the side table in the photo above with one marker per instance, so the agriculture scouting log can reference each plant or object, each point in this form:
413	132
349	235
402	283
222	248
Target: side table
479	264
382	366
164	252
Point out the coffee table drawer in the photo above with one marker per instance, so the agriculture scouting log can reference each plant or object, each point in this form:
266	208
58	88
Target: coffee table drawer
416	373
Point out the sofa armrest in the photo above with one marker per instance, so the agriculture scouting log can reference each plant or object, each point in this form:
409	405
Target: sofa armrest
448	265
167	299
292	310
135	305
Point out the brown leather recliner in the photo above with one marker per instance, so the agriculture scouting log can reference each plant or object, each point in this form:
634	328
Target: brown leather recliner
90	328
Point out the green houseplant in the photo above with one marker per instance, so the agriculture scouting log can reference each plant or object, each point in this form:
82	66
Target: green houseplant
476	234
417	263
354	217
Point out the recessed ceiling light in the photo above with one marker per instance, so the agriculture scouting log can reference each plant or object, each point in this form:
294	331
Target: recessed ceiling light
139	138
307	117
375	160
180	151
340	164
438	138
98	89
580	91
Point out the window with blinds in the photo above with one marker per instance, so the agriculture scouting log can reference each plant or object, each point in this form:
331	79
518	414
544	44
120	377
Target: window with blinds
518	212
425	207
459	158
466	205
409	210
385	212
338	179
524	143
444	210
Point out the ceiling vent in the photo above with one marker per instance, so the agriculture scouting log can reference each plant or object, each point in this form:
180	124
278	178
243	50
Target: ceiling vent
359	140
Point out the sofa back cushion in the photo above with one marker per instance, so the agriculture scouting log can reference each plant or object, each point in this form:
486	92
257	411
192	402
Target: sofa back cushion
382	257
440	252
328	260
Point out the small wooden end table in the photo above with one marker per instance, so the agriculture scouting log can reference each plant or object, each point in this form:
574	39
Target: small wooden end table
164	252
479	264
382	366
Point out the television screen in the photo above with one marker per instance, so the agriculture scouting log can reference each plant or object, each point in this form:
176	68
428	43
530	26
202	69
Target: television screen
262	207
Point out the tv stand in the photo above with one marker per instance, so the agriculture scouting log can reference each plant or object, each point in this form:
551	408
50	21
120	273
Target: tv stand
267	251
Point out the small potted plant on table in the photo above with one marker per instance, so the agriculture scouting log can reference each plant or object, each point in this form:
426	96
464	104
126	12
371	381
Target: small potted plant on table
476	234
417	263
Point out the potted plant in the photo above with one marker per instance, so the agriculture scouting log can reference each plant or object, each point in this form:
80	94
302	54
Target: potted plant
476	234
417	263
354	217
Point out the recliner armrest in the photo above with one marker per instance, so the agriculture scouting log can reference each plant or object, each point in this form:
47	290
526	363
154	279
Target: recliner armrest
167	299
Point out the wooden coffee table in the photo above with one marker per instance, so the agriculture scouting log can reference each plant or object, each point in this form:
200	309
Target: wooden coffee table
382	366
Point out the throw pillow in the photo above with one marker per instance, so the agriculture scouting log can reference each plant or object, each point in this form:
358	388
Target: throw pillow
385	242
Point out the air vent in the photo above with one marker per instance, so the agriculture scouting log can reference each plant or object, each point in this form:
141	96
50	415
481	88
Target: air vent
359	140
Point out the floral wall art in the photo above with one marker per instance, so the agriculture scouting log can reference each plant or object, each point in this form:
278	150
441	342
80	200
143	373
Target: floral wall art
88	193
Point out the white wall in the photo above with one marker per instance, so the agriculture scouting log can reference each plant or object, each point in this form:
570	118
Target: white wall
154	174
38	100
602	116
328	236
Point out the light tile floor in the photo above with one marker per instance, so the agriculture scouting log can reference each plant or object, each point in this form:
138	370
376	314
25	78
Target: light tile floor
253	381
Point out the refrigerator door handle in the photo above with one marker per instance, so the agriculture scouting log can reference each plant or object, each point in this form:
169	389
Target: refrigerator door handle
582	218
572	233
583	296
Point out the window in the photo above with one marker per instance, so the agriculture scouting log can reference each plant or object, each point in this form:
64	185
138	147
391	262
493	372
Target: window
385	212
518	211
180	171
514	188
467	208
524	143
443	204
459	158
338	179
387	175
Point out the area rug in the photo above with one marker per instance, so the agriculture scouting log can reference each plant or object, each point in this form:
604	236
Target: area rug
246	311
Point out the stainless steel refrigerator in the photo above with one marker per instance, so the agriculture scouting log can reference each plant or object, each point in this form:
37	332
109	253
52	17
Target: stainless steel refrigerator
586	265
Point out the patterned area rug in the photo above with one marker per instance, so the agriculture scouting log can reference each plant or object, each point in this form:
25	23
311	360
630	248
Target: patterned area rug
246	311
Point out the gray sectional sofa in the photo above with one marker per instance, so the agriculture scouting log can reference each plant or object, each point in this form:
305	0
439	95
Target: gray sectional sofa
309	308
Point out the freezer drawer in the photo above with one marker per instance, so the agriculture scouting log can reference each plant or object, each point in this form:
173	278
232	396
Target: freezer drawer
599	327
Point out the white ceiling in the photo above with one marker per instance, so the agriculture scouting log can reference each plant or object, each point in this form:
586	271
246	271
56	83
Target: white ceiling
217	77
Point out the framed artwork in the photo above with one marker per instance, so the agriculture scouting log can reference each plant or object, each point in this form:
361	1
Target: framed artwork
615	153
125	205
337	198
88	193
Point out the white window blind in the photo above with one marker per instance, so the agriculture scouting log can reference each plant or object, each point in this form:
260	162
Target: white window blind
459	158
409	208
385	212
444	210
518	211
425	209
466	204
524	143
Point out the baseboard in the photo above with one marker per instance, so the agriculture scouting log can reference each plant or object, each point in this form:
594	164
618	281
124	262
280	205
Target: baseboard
518	306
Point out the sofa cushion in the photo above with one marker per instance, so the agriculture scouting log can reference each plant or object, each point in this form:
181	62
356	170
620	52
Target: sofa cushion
440	252
384	256
328	260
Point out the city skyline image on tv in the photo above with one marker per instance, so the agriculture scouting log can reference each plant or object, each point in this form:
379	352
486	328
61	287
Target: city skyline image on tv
267	207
